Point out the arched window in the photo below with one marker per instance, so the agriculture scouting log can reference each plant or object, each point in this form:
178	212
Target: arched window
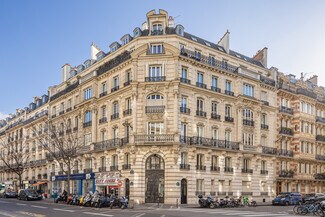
87	117
180	30
155	162
247	114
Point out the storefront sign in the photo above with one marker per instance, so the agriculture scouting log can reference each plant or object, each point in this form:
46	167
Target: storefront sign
25	182
73	177
107	179
8	182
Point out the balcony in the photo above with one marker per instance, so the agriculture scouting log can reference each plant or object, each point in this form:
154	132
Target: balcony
229	119
215	116
108	144
307	93
285	153
269	150
75	171
127	112
230	93
155	109
201	114
200	167
286	87
185	80
185	110
286	110
103	120
68	109
248	122
320	138
201	85
214	143
155	79
246	170
114	116
126	166
207	61
264	126
61	112
267	81
215	168
154	138
246	193
102	94
215	89
213	193
87	124
116	88
88	170
184	167
114	168
265	103
229	170
286	131
320	119
286	174
320	157
157	32
264	172
320	176
127	83
102	169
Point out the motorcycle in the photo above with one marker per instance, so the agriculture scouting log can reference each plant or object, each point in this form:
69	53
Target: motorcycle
87	200
69	200
61	197
114	202
95	199
124	203
75	200
205	202
104	202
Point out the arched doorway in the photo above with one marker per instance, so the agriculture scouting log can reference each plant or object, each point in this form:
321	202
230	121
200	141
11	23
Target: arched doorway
127	189
184	191
155	179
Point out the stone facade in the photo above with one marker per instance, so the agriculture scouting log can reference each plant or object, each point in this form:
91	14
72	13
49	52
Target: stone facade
174	116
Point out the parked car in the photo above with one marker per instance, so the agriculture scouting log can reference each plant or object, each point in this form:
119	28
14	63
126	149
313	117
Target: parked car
8	193
313	197
28	194
287	198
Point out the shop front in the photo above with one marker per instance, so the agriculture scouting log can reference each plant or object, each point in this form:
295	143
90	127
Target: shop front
79	183
41	187
108	183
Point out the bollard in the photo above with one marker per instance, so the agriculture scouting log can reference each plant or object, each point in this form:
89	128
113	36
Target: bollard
176	203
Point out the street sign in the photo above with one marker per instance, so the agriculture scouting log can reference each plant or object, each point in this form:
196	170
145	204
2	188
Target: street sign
119	183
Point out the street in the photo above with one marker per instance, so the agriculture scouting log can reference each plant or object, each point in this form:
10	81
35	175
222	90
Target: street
13	207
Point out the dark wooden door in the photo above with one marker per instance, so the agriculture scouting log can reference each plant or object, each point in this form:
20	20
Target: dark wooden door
155	186
184	191
127	189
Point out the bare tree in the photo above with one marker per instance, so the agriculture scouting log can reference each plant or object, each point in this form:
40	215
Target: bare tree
61	143
15	157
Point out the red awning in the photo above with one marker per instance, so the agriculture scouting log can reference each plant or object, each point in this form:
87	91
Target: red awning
40	183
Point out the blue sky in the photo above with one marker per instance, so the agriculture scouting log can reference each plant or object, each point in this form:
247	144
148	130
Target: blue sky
38	37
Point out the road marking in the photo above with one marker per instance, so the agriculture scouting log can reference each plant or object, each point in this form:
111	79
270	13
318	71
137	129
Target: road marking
139	215
99	214
64	210
162	216
21	204
6	214
31	214
41	207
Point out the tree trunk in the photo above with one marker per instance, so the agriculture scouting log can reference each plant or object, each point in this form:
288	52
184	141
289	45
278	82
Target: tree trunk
69	172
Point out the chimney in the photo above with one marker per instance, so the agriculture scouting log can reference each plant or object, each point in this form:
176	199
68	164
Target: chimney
224	41
93	51
66	68
171	22
261	56
313	79
144	26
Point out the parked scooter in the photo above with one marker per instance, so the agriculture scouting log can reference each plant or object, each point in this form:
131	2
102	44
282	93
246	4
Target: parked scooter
87	200
205	202
104	202
75	199
124	203
114	202
69	200
95	199
62	197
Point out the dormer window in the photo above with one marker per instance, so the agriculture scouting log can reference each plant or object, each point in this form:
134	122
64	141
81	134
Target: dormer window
80	68
157	29
100	55
114	46
180	30
156	49
125	39
87	63
136	32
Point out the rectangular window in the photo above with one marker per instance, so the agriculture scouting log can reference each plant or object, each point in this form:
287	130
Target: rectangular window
248	90
155	71
264	96
104	87
214	83
69	104
200	131
155	128
128	77
128	104
263	165
88	93
199	105
116	81
184	73
87	139
215	134
115	108
228	85
199	185
184	102
200	77
199	159
212	60
228	111
183	158
246	186
228	162
214	108
197	54
183	129
156	48
214	161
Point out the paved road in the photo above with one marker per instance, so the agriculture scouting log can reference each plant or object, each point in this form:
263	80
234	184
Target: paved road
13	207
